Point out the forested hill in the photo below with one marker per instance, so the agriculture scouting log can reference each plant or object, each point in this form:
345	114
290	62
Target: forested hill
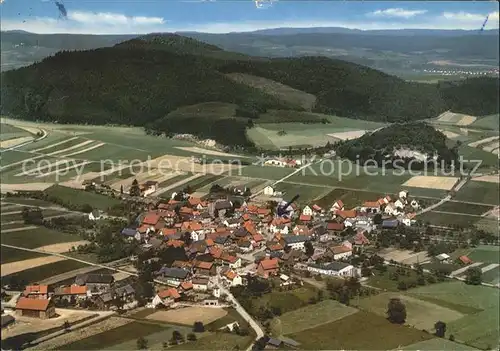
141	80
397	141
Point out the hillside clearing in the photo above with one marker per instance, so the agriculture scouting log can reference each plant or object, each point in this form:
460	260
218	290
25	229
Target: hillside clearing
279	90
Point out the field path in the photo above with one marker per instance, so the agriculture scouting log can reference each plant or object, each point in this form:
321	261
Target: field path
463	269
489	267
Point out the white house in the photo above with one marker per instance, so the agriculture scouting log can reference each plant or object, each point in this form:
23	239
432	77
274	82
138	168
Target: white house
275	162
233	278
307	211
403	194
95	215
269	190
282	228
216	292
200	283
333	269
340	252
399	204
391	209
285	280
337	205
296	242
415	204
148	188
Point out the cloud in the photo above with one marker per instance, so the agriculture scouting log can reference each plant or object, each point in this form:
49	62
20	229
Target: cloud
465	18
397	12
112	19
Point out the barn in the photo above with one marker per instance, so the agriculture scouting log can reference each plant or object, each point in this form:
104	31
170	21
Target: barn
37	308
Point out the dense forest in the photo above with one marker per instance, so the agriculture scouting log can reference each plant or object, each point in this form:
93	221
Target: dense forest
382	144
139	82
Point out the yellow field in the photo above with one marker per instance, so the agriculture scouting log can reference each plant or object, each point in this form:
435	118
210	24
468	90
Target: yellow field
441	183
189	315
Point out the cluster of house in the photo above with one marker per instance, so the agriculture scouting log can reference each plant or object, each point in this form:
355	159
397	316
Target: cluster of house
146	188
40	301
282	162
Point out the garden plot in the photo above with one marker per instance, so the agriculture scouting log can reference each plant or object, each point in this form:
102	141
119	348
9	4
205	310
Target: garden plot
189	315
432	182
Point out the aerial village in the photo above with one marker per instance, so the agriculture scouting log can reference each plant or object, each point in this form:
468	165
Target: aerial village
225	239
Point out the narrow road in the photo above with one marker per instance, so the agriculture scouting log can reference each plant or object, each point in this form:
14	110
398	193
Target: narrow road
255	326
44	135
447	198
286	177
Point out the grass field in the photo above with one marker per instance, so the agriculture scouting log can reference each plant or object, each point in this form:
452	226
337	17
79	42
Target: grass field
486	122
81	197
458	207
32	238
358	331
12	255
488	159
442	344
26	201
350	198
420	314
482	192
314	315
307	193
382	280
448	219
489	225
478	329
217	341
11	132
485	253
425	192
265	172
286	301
36	274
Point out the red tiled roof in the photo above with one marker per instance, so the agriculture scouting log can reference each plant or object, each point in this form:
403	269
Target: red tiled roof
230	275
175	243
339	203
186	210
193	201
334	226
195	226
346	214
168	231
74	290
36	289
305	218
151	218
316	207
228	258
270	263
379	201
181	264
263	211
360	239
215	252
173	202
258	237
187	285
465	259
275	247
371	204
171	292
340	249
204	265
209	242
25	303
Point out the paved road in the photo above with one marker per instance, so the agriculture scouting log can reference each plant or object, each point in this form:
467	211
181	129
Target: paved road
255	326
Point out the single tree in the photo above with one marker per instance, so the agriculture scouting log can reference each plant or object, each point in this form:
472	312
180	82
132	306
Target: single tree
309	248
473	276
165	345
198	327
191	337
176	337
396	311
440	328
121	189
142	344
67	326
134	189
452	337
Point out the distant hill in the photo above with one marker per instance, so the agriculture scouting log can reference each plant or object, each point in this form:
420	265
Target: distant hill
393	51
141	81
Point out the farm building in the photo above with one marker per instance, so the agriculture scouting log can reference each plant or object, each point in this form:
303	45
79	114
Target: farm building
36	291
333	269
37	308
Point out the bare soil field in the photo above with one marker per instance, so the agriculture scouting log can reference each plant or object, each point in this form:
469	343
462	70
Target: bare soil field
432	182
14	142
199	150
189	315
354	134
492	146
58	343
449	134
62	247
489	178
19	266
154	175
456	118
466	120
5	188
483	141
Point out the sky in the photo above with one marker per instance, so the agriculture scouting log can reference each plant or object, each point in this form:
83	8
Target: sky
223	16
